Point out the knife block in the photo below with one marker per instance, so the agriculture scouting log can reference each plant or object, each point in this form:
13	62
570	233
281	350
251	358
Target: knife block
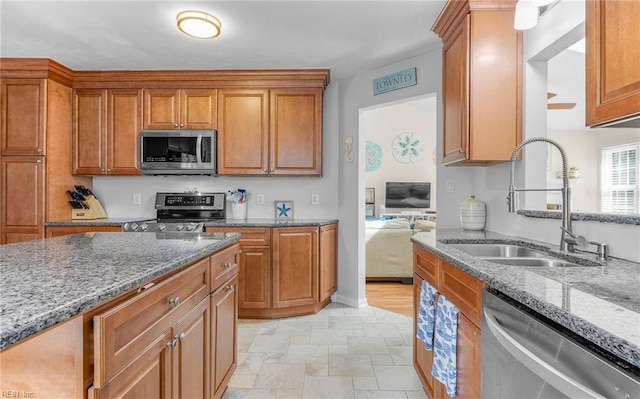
95	211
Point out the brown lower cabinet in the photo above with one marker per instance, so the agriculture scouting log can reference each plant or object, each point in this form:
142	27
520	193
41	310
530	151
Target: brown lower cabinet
285	271
55	231
465	292
176	337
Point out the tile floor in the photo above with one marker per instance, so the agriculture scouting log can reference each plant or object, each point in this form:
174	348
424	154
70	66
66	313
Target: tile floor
340	352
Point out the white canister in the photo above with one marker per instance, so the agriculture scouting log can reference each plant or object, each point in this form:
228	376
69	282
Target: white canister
239	210
473	214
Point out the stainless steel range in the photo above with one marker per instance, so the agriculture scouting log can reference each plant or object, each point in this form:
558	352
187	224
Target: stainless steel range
182	212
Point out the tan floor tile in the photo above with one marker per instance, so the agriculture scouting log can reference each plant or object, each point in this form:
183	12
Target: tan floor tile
368	346
280	376
363	394
365	383
327	387
397	378
351	365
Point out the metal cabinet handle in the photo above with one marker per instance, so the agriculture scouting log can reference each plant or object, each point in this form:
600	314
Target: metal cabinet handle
272	170
39	161
264	170
172	344
182	125
230	287
229	265
546	371
175	124
175	301
180	336
39	149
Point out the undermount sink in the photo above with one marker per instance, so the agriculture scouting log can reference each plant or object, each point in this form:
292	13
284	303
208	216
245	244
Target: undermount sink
499	250
512	255
540	262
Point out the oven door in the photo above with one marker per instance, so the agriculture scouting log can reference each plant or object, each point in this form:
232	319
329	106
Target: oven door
524	357
178	152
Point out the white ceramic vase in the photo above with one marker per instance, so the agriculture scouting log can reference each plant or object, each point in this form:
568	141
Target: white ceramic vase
473	214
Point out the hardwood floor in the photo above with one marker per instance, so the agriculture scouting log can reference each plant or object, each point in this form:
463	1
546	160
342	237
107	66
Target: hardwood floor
392	296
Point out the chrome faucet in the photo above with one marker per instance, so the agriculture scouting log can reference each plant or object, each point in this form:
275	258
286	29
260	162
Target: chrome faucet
567	235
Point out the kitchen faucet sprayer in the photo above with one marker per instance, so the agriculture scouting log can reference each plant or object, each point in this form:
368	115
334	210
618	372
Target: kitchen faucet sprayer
566	191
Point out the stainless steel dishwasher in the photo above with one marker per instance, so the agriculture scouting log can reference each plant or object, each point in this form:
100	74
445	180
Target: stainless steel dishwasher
527	356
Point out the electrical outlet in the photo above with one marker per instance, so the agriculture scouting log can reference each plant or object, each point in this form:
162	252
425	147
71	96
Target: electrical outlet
449	186
136	199
260	199
315	199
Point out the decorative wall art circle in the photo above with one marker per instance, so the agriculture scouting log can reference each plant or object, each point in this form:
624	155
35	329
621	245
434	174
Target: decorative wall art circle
408	147
374	156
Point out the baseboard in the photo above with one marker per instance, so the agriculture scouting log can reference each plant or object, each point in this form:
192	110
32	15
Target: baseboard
349	301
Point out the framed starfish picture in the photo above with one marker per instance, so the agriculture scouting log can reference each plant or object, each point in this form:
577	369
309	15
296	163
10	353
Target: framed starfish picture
283	210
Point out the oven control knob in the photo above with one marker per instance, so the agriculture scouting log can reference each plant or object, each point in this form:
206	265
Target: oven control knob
134	226
191	226
180	227
162	227
144	227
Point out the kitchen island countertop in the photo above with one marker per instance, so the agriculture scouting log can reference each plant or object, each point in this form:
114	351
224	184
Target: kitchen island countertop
45	282
598	303
255	222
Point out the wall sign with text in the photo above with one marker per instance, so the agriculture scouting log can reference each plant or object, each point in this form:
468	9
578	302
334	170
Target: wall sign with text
394	81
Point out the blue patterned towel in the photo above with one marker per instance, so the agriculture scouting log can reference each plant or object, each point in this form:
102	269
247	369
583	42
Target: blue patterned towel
426	315
444	354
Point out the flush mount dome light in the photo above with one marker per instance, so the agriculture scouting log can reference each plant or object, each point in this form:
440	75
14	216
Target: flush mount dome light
198	24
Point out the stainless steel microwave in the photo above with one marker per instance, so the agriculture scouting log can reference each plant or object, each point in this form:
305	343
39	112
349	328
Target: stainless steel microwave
178	152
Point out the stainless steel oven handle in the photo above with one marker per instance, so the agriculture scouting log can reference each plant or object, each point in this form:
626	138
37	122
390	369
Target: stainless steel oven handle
199	148
546	371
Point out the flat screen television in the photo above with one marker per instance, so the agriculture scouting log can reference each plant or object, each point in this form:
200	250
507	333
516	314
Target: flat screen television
408	195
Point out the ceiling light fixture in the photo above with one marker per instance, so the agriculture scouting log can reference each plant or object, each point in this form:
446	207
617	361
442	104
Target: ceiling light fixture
526	16
198	24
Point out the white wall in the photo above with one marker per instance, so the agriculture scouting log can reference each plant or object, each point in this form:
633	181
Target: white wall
381	126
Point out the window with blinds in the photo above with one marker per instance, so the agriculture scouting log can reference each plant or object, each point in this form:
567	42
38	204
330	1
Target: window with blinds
619	191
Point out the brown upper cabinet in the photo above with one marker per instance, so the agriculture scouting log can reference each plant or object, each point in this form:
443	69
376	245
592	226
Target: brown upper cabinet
612	67
180	109
23	116
270	131
482	81
106	123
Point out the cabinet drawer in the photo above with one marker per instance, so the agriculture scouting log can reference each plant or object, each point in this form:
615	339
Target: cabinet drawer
250	236
462	290
224	264
426	265
123	332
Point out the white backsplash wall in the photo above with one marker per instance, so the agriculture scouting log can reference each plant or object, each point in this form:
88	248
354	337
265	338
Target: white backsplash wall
116	193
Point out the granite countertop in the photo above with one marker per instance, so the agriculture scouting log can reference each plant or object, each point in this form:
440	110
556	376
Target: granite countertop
599	303
266	222
45	282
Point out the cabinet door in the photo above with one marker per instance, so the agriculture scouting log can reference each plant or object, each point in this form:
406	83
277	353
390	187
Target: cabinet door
124	121
295	137
295	266
191	356
328	261
198	108
243	132
467	359
612	68
254	287
422	358
23	116
224	324
22	194
149	376
89	124
455	143
161	109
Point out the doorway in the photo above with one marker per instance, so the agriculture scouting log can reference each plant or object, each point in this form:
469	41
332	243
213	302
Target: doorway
400	141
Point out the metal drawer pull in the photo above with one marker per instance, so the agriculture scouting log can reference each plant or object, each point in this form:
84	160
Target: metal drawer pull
229	265
230	287
175	301
180	336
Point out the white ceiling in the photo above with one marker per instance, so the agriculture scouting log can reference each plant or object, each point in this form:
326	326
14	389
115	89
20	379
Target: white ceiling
346	36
